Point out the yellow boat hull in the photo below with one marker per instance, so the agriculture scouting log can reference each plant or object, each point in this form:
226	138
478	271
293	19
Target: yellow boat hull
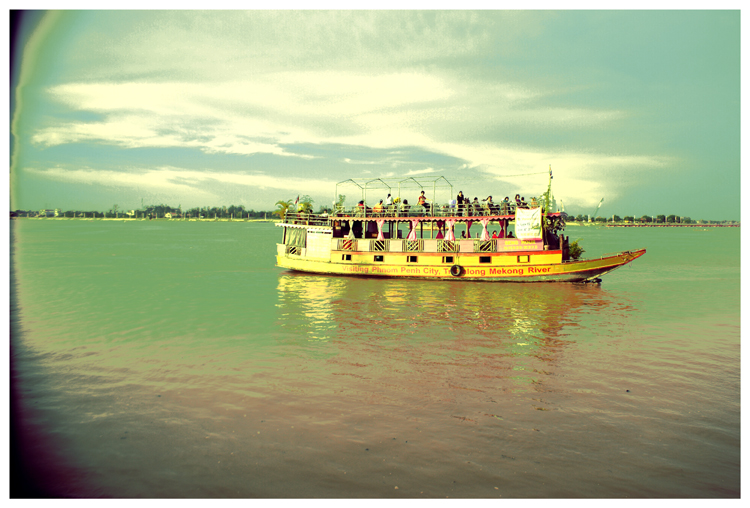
468	267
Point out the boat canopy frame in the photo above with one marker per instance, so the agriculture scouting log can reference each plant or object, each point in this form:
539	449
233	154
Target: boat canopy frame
419	181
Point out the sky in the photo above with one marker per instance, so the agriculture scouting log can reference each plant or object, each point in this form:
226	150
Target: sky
214	108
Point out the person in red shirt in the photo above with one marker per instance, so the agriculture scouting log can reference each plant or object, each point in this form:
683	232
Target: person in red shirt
421	200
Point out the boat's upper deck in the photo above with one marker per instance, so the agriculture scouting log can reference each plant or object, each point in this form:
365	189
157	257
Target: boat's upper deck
419	214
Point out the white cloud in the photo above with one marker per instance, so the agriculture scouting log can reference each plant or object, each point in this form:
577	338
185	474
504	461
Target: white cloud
350	161
182	180
260	115
220	83
420	172
577	177
270	112
222	45
255	116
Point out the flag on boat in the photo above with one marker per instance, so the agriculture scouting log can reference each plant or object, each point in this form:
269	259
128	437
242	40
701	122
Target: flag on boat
296	200
528	223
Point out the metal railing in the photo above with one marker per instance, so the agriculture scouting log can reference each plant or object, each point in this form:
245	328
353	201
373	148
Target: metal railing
432	210
471	245
340	212
400	210
308	219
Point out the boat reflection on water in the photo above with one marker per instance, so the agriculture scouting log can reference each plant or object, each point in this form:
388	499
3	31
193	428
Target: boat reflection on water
422	332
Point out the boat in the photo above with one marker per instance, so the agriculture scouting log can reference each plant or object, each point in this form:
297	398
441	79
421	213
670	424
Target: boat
363	241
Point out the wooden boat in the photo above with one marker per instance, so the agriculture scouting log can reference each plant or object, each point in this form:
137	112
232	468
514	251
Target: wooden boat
364	243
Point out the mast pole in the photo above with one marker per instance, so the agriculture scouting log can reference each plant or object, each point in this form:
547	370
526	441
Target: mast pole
545	210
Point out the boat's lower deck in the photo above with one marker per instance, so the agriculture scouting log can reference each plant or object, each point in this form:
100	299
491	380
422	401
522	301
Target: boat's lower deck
315	249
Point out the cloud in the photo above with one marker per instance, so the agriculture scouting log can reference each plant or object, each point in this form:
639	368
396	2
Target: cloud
271	110
350	161
180	181
420	172
578	178
219	46
482	90
274	109
272	113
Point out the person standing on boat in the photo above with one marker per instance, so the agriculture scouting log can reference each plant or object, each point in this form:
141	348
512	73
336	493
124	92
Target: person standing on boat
460	200
421	200
490	205
505	206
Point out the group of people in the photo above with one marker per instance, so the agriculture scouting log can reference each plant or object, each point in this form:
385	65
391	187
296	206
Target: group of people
390	206
464	206
495	234
469	208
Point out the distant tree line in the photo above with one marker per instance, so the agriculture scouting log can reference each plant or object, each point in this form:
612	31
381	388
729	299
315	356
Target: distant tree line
303	204
644	218
648	219
152	211
668	219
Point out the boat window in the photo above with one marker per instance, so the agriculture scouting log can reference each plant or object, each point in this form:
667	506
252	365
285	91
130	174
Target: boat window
447	259
346	257
379	258
296	237
411	259
485	259
523	259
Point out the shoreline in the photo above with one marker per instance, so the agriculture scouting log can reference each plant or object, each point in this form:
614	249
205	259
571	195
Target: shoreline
653	225
673	225
584	224
128	219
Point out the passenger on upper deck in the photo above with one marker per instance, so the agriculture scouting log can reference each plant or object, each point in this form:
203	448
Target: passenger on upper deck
460	200
518	200
388	200
378	209
476	206
405	207
360	211
505	206
421	200
491	208
523	202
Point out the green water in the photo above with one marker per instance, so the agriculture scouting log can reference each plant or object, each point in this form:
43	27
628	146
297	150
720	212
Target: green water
172	359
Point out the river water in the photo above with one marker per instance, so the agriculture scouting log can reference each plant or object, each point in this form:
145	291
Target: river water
174	360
